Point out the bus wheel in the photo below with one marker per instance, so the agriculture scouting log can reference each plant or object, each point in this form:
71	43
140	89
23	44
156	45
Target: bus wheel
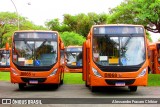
21	86
93	89
86	84
56	86
61	82
133	88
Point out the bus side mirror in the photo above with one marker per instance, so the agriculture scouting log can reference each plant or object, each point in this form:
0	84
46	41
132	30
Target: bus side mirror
88	44
7	46
62	46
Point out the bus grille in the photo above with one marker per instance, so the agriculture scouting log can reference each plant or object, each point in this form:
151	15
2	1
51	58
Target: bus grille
127	81
36	79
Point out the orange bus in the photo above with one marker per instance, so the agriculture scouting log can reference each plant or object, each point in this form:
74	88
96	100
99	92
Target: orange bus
36	58
154	57
115	55
4	59
73	59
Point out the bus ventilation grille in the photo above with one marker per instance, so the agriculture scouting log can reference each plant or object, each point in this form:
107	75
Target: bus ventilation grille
127	82
36	79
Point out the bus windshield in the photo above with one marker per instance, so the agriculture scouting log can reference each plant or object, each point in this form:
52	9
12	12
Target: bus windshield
74	56
35	50
118	48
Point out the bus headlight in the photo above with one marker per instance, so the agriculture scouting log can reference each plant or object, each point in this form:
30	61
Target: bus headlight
143	72
14	71
54	72
96	73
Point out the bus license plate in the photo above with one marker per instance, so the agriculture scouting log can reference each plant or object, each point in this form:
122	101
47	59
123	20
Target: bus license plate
33	82
120	84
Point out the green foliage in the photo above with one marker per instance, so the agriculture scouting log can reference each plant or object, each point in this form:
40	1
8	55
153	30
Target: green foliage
80	23
71	38
56	25
8	24
143	12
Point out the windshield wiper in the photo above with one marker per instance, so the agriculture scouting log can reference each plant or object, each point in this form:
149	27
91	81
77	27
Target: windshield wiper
43	43
28	45
126	43
128	40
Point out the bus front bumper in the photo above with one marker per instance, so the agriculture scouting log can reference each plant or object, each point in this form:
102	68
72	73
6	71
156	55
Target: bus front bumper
36	80
139	81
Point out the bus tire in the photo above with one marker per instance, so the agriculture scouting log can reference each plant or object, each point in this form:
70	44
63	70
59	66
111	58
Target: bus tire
61	82
21	86
93	89
132	88
86	84
56	86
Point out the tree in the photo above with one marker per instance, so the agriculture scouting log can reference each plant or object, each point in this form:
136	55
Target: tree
8	24
71	38
144	12
57	26
80	23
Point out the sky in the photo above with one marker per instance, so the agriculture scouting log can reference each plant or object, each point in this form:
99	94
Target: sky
40	11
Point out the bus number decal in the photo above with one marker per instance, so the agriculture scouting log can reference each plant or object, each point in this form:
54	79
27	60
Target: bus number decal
25	74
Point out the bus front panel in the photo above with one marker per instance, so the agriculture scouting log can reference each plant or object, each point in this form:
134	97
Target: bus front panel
118	56
35	58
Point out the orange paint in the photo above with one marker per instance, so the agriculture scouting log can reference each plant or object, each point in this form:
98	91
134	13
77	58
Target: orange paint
115	55
36	58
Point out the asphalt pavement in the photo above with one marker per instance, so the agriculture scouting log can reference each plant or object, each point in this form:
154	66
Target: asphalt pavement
78	93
